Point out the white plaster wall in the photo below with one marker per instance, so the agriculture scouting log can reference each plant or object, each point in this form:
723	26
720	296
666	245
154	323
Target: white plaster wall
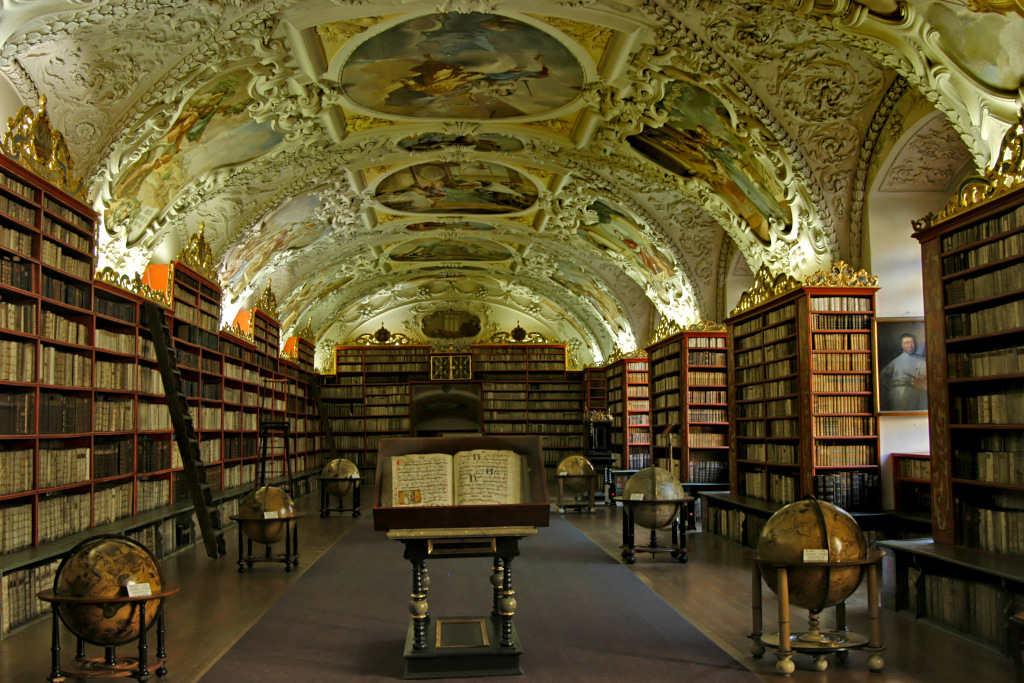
892	253
10	103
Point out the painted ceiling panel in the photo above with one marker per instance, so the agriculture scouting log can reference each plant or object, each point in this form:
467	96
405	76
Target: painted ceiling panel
589	168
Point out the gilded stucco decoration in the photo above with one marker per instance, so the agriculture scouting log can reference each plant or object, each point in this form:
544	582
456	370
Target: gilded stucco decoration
32	141
198	255
765	288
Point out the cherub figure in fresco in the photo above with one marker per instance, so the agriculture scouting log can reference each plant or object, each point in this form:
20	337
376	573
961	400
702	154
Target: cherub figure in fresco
190	125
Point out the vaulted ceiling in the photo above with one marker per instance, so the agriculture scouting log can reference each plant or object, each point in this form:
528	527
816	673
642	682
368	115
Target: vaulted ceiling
585	168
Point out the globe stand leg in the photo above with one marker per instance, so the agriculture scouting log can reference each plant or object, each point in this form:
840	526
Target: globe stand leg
161	643
55	673
288	532
143	670
757	616
355	500
79	648
109	656
561	496
875	661
785	664
241	551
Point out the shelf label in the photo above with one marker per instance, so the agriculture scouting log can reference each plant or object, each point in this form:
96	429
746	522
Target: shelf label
815	554
636	496
138	590
270	515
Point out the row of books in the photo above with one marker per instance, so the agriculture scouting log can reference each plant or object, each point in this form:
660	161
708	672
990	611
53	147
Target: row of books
973	607
1002	318
16	316
1004	407
840	321
841	362
845	455
18	591
850	489
997	225
1007	361
839	303
989	284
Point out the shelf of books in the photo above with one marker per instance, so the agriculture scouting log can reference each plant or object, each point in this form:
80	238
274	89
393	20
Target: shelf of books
629	406
595	389
801	394
296	365
689	413
912	484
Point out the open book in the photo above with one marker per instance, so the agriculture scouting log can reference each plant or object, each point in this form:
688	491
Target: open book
476	477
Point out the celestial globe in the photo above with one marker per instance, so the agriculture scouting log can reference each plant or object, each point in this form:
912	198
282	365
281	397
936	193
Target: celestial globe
654	483
812	524
102	567
253	518
573	472
339	476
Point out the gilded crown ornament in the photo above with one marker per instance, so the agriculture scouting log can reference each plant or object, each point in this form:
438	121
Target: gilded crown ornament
268	302
517	335
706	326
1006	173
307	332
134	285
33	143
198	255
765	287
842	275
665	329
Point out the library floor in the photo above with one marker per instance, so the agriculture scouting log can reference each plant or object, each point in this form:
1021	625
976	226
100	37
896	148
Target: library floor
217	605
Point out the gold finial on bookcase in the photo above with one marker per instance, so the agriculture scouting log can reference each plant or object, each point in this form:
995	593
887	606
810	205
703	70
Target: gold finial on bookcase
134	285
765	287
842	275
1005	174
33	143
268	302
665	329
307	332
198	255
706	326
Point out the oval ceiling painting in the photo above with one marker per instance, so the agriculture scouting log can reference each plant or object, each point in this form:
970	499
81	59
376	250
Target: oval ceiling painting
450	324
466	249
430	226
484	142
455	187
462	66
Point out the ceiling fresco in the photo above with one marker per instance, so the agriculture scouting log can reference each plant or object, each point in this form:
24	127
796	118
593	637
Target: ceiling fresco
587	170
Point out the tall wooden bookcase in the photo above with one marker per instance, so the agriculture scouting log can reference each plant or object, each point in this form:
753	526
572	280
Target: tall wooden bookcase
629	404
974	314
689	415
801	390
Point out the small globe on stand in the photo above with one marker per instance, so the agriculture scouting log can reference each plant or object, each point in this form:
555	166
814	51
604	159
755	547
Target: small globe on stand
654	483
575	469
101	568
253	518
339	476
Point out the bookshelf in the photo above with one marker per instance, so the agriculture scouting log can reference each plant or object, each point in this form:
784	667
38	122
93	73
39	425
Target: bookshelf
595	389
912	484
802	392
629	406
689	408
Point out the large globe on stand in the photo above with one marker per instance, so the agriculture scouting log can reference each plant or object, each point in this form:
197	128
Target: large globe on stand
253	509
654	483
812	524
339	476
100	568
573	472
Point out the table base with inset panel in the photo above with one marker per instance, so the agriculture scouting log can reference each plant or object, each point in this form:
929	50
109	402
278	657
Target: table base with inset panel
462	646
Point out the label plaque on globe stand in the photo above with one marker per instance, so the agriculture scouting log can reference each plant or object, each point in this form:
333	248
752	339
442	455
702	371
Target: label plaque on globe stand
813	554
108	591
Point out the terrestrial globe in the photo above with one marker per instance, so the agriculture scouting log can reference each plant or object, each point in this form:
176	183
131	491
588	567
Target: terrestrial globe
339	476
253	509
573	472
654	483
812	524
101	567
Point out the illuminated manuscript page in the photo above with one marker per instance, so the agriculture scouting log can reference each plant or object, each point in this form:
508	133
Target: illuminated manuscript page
421	479
487	477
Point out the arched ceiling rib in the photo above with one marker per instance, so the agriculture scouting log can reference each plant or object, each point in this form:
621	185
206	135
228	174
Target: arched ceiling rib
583	167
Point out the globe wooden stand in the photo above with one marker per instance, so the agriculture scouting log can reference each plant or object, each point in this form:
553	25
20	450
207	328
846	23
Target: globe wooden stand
678	547
290	556
814	641
325	498
110	665
589	491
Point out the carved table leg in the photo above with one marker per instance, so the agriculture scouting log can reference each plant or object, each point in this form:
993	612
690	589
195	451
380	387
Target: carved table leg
418	606
497	584
507	603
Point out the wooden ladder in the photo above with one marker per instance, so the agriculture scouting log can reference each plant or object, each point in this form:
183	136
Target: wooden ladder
206	511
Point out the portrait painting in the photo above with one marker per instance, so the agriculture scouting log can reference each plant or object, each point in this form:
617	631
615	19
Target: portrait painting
902	373
483	142
456	187
462	66
212	130
700	141
450	324
466	249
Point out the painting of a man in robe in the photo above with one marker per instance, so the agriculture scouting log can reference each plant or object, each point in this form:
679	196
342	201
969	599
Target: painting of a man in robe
466	66
453	187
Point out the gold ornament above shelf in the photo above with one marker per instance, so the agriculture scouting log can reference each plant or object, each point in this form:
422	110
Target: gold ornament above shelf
33	143
706	326
517	335
198	255
1006	174
268	303
307	332
765	287
134	285
842	275
236	331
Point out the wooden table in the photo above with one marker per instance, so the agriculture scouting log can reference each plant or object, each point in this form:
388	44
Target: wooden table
678	547
462	646
108	666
